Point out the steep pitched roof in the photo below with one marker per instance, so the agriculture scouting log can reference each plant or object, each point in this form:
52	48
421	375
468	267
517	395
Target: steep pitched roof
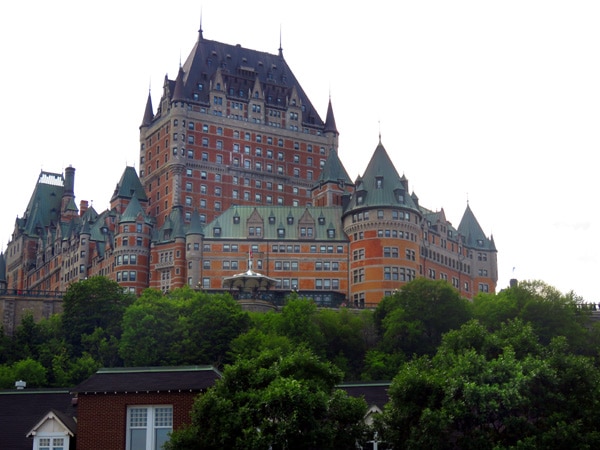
334	171
330	126
472	232
155	379
381	185
172	228
148	112
44	205
239	68
133	211
130	185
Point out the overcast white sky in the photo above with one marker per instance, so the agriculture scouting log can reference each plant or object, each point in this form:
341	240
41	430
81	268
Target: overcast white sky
494	103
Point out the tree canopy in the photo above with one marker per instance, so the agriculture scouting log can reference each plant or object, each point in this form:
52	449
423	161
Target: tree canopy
496	390
277	401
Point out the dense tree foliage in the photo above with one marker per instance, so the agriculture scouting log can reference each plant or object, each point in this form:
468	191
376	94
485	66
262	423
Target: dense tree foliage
277	401
516	369
91	304
182	327
496	390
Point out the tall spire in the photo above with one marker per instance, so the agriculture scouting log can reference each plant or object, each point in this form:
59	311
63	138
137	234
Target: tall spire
330	126
148	112
200	36
280	47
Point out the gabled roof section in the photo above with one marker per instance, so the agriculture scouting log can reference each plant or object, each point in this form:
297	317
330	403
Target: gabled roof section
472	232
155	379
381	185
133	211
290	219
54	421
239	68
130	185
21	409
334	171
172	228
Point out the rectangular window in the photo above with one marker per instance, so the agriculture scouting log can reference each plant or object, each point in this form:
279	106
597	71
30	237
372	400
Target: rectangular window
51	443
148	427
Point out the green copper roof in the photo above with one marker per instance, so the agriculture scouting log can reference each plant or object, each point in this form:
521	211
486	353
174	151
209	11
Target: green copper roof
334	171
381	186
173	227
130	185
234	223
44	205
474	236
133	211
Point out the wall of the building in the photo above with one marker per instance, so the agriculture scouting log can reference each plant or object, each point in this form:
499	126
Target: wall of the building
102	417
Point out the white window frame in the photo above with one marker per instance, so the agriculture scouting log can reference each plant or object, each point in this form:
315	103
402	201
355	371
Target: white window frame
53	438
150	426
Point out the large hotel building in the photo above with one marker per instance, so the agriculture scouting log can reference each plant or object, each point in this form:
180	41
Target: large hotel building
238	169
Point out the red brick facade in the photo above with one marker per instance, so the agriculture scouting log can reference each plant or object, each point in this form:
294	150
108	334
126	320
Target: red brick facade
102	417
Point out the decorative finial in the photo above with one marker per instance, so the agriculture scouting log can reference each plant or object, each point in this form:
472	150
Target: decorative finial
280	47
200	29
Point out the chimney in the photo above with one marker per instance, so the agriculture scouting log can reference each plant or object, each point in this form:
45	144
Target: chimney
83	206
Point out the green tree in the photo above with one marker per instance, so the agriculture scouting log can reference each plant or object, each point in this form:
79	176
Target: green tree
496	390
345	336
297	321
275	401
182	327
96	302
550	312
414	318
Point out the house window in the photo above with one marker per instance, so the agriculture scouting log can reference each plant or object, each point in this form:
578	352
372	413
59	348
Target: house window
51	443
148	427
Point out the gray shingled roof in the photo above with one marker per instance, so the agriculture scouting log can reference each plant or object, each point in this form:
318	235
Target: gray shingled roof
240	68
155	379
20	410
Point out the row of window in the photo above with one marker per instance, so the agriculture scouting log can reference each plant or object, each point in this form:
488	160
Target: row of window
395	214
126	275
126	259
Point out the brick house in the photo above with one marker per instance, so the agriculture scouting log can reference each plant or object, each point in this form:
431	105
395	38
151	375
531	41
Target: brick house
136	408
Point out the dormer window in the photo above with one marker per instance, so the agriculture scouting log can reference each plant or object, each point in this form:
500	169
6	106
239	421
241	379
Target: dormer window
272	220
360	200
217	232
331	233
290	220
236	219
321	220
400	197
280	233
379	183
